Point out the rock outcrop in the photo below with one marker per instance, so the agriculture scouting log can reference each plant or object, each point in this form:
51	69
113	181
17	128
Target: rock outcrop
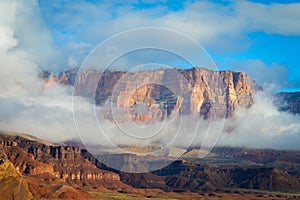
12	184
65	172
197	91
65	162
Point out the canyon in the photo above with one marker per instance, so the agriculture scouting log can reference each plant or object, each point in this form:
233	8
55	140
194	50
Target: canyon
46	170
34	168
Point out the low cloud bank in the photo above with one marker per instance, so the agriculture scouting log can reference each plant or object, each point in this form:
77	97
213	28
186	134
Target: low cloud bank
262	126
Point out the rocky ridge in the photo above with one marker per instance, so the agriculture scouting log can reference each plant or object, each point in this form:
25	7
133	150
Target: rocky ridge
288	101
62	168
65	162
54	171
206	92
12	184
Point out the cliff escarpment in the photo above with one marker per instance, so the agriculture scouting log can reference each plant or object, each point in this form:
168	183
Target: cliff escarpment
34	158
160	92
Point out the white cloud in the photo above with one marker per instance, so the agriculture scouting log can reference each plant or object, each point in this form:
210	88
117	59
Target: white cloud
262	126
273	77
222	27
26	106
72	61
7	41
273	18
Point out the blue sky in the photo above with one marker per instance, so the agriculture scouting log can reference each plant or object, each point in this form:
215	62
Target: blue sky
237	34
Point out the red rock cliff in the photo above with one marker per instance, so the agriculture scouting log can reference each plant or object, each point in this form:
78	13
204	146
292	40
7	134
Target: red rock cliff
207	91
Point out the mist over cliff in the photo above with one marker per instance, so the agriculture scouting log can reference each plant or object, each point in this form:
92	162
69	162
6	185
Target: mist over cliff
248	113
45	110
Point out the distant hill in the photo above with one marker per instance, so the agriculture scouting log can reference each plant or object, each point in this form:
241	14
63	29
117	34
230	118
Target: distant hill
288	101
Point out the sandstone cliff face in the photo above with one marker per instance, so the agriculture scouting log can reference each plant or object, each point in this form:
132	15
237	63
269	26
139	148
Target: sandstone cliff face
55	171
12	185
206	92
65	162
51	171
218	92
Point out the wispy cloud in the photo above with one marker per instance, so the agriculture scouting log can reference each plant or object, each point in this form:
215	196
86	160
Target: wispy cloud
273	77
262	126
223	27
